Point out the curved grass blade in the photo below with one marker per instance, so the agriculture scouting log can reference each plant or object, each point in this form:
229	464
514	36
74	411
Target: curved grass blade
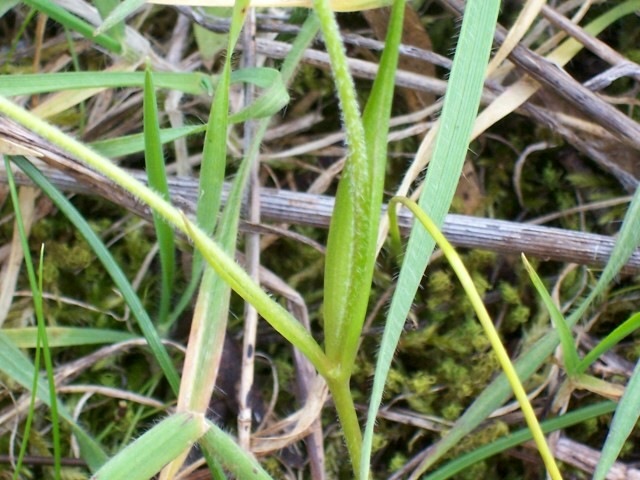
518	438
614	338
569	351
157	177
231	456
103	254
487	324
279	318
35	283
494	395
148	454
460	107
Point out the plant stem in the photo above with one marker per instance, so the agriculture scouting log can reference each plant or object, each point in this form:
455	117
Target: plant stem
225	266
343	401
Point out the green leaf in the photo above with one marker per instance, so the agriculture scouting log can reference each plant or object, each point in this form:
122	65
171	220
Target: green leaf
65	336
238	462
72	22
156	173
376	125
112	267
118	14
462	463
17	366
569	351
148	454
624	420
459	111
530	361
614	338
34	83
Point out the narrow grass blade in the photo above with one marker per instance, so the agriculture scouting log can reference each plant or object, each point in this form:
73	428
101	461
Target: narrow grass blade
18	367
280	319
624	420
72	22
103	254
209	324
34	83
462	463
614	338
128	144
487	324
459	111
154	160
148	454
35	283
529	362
376	126
119	14
569	351
65	336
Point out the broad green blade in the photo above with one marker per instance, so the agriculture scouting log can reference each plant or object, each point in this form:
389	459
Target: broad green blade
66	336
238	462
569	351
157	177
112	267
347	279
148	454
7	5
18	367
459	111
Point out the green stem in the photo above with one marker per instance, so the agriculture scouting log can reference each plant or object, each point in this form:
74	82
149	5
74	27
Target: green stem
343	401
224	265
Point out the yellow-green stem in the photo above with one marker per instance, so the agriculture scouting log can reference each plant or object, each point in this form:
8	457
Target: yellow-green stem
225	266
474	297
343	401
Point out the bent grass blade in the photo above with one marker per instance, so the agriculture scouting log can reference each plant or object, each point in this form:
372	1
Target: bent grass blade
487	324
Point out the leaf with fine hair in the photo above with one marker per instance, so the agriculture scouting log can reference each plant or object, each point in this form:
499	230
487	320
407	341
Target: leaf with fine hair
148	454
112	267
459	111
376	126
